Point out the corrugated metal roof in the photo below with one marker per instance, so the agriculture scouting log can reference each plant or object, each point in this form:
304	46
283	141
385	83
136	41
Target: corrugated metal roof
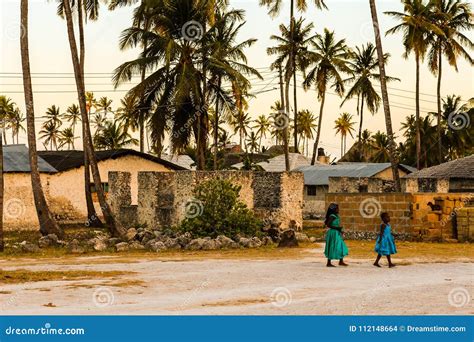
277	164
459	168
319	174
16	159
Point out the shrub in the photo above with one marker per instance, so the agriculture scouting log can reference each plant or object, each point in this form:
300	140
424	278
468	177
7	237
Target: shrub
217	210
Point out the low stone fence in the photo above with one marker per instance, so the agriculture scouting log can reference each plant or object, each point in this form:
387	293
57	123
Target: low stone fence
164	199
410	214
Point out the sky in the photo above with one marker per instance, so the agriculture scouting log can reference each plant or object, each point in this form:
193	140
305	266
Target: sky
53	81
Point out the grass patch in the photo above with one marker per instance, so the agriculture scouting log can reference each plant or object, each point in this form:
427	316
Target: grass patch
25	276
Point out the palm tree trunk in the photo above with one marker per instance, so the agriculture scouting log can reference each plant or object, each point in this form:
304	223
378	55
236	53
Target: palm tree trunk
286	122
46	221
318	134
360	127
114	226
385	99
216	125
342	144
440	143
296	111
417	114
92	217
1	197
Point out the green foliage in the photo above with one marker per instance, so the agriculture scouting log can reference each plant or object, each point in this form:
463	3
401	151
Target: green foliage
220	212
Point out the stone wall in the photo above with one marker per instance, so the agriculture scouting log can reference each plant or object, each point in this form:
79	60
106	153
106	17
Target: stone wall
165	198
410	213
425	185
465	224
360	185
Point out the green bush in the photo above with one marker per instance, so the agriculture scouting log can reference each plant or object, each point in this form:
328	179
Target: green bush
217	210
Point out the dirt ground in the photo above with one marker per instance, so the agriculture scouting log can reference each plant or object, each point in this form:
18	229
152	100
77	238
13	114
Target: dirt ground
233	286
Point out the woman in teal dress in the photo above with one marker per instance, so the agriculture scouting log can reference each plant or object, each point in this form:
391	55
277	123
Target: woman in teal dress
336	248
385	244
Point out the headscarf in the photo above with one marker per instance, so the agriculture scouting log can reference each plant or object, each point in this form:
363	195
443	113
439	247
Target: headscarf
331	210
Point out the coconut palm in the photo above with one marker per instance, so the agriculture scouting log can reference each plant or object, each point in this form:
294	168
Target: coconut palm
240	122
453	17
227	63
7	109
380	143
73	116
364	66
50	133
46	221
128	113
78	65
262	124
252	142
385	99
329	59
53	116
66	138
293	42
16	124
113	137
417	23
344	126
307	127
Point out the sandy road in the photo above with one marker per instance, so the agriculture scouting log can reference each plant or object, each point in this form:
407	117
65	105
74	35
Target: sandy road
287	287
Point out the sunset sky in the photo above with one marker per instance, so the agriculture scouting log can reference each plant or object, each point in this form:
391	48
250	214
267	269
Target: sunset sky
53	80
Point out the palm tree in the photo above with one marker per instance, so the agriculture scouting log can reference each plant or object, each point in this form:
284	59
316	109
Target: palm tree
241	121
344	126
365	69
274	7
50	133
380	143
73	116
115	227
417	23
113	137
53	116
227	63
385	99
262	124
7	109
16	124
307	127
252	142
293	43
452	17
66	138
46	221
128	114
330	59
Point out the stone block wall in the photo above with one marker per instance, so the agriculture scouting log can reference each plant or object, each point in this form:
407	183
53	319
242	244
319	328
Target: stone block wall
361	212
425	185
465	224
164	198
410	213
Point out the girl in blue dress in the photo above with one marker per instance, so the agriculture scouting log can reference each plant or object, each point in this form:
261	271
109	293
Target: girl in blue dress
385	244
336	248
